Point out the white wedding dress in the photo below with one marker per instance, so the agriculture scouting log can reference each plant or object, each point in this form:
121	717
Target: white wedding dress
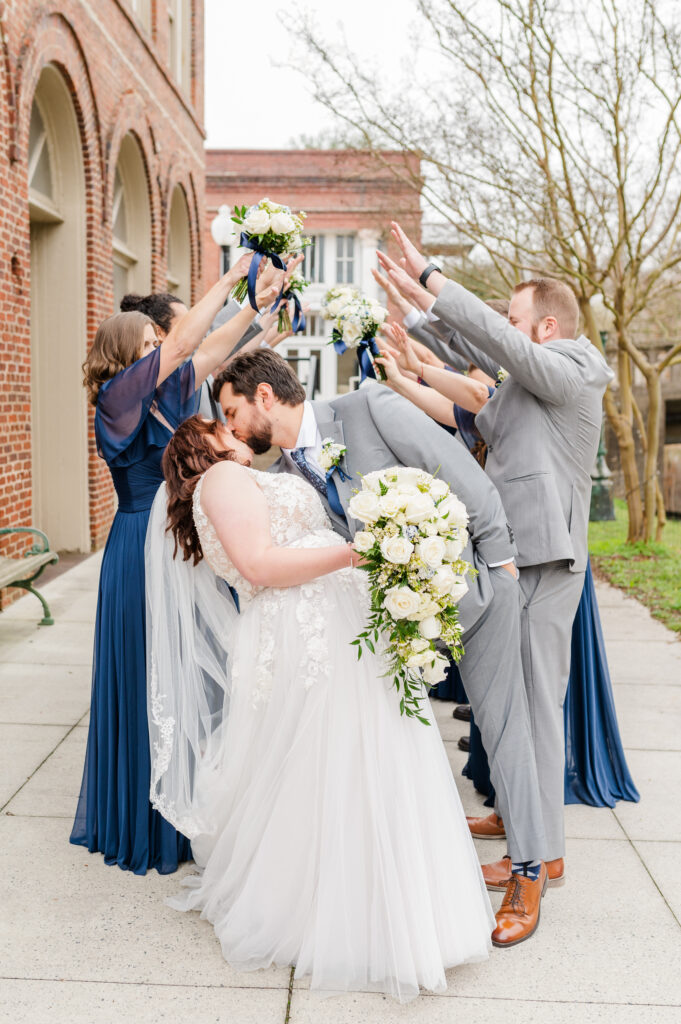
338	841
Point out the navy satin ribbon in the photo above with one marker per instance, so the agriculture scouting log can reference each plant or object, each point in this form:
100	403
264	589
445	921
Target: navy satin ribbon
299	322
332	490
366	345
260	255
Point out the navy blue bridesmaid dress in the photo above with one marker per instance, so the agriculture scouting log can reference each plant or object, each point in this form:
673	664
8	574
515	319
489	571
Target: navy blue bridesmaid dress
114	815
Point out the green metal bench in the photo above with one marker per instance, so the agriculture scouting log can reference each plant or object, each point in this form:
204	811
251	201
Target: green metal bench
21	572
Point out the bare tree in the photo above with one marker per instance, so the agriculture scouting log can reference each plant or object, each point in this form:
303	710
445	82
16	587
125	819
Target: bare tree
549	134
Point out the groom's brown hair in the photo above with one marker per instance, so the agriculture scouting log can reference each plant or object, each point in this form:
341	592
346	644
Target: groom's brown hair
260	367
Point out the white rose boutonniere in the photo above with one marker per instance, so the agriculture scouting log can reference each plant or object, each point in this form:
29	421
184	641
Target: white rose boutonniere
331	454
501	377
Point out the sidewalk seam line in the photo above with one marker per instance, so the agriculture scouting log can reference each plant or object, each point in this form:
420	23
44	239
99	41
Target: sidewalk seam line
46	758
652	878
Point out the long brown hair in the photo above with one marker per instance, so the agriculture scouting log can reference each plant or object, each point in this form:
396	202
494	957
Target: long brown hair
118	344
188	455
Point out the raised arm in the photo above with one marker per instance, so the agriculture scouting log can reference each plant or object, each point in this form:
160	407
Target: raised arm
553	375
237	509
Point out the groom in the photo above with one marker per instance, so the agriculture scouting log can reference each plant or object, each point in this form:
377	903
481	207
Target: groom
264	404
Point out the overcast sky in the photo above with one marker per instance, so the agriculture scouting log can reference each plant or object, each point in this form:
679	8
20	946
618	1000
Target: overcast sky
250	103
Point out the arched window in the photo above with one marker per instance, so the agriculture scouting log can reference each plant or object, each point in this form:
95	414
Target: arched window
179	248
41	187
131	224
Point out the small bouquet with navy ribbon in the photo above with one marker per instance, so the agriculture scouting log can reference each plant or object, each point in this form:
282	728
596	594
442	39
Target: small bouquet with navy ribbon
273	232
356	322
292	293
415	531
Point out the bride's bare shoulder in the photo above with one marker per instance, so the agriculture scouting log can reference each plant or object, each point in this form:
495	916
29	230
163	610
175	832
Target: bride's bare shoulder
225	476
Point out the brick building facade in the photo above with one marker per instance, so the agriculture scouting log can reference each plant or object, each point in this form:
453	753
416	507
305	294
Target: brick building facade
101	191
350	199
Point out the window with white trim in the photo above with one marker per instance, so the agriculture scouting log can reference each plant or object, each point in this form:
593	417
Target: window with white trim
313	264
345	259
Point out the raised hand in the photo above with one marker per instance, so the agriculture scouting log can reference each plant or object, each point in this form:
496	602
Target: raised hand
393	295
400	279
268	286
404	349
388	360
240	268
412	260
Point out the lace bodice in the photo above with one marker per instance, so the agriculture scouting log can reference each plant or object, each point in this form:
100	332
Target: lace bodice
296	517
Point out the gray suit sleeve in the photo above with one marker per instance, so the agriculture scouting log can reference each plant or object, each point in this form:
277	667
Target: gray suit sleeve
424	332
466	352
553	375
230	309
416	440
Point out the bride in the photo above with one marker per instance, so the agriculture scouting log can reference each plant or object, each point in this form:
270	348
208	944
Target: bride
327	828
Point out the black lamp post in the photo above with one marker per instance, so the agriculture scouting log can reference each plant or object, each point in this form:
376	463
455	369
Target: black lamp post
602	504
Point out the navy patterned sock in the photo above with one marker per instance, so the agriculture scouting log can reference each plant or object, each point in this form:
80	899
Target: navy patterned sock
528	868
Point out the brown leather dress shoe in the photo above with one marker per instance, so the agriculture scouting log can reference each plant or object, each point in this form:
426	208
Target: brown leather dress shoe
497	875
518	916
491	827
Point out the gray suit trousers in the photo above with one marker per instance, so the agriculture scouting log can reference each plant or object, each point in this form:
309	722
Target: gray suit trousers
492	672
550	596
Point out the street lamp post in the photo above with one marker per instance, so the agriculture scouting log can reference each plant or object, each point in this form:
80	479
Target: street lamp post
222	230
602	505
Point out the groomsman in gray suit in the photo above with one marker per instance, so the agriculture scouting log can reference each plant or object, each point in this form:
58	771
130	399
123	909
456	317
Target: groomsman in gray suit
542	429
264	404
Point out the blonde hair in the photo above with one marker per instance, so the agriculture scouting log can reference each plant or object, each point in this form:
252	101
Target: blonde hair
553	298
118	343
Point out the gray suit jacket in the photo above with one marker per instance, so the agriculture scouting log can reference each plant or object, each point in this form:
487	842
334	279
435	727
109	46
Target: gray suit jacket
542	428
381	429
426	332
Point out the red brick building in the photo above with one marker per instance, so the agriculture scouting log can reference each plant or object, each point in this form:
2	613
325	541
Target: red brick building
350	199
101	192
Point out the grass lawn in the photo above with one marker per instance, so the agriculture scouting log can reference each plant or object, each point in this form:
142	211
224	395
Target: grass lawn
651	573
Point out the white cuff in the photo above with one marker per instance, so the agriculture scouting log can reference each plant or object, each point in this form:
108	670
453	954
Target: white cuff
411	318
496	565
430	316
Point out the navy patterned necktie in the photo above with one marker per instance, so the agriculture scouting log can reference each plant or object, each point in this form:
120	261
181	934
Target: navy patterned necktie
298	456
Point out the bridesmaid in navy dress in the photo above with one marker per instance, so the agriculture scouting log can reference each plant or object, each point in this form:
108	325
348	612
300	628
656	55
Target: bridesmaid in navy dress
142	391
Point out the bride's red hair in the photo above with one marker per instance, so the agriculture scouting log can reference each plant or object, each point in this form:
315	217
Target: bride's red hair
189	454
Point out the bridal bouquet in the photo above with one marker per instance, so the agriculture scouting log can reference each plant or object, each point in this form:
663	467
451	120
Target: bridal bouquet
273	232
356	321
294	289
414	534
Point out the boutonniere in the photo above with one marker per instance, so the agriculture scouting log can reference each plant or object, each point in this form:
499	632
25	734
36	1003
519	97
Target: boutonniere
501	377
331	455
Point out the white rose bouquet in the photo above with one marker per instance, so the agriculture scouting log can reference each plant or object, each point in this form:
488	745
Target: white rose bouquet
273	232
356	321
415	531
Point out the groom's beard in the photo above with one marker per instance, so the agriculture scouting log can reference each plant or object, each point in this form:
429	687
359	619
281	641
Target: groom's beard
259	440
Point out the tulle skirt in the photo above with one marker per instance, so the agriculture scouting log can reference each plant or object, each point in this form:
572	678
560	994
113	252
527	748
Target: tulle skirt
340	844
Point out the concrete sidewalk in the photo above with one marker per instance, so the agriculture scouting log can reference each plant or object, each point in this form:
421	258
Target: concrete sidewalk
82	942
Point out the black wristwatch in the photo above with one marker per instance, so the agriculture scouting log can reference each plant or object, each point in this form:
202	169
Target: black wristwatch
427	272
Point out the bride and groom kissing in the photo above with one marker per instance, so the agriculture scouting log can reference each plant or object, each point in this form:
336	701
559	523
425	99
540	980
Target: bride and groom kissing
327	827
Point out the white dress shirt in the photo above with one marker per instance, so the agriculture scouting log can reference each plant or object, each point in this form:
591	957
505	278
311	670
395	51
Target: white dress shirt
414	315
310	439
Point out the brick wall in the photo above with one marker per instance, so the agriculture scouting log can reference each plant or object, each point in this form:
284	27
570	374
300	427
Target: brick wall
118	77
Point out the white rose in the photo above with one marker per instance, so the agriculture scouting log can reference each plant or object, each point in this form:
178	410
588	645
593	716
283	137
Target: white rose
430	627
332	309
419	660
438	489
456	545
443	580
257	222
397	550
352	330
431	550
408	476
325	461
401	602
391	503
458	589
296	243
418	644
282	223
454	510
427	607
364	506
436	670
429	529
419	507
373	481
363	541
